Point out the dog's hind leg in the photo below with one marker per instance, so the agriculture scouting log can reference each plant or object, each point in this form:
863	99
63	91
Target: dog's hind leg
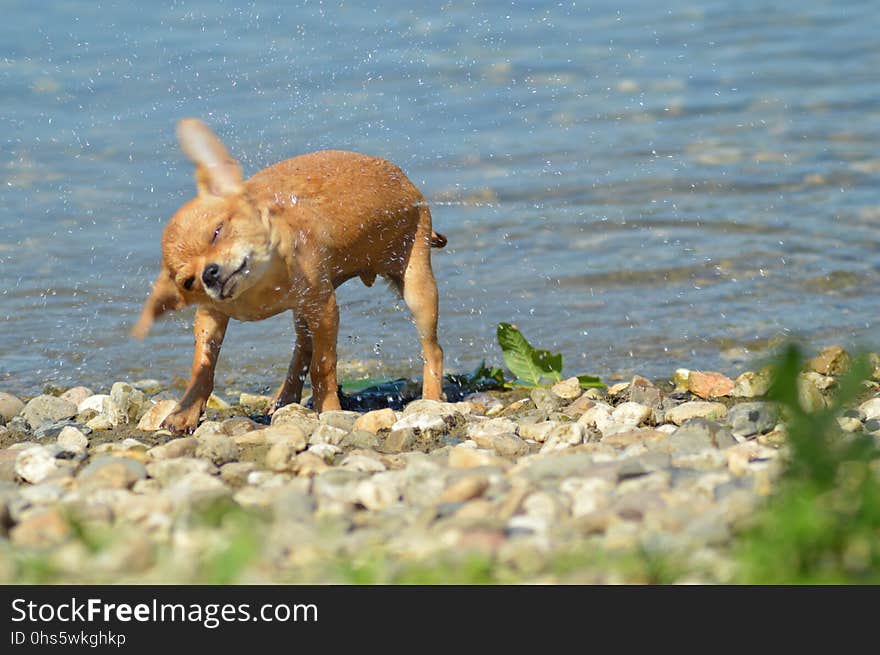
290	390
419	290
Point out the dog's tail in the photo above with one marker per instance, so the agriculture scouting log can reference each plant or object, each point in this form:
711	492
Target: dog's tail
437	240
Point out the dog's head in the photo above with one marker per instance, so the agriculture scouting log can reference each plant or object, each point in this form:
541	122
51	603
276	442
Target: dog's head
217	245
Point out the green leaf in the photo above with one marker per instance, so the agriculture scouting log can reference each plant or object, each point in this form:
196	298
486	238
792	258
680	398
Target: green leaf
525	362
591	382
549	363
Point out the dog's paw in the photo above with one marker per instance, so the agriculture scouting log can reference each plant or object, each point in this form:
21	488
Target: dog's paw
182	421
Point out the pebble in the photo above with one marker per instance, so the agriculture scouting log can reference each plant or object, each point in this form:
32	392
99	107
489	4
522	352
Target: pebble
563	436
155	414
47	409
545	400
341	419
748	419
631	414
644	392
698	434
492	426
37	463
308	464
130	402
378	492
464	489
41	530
696	409
236	473
109	472
99	412
168	470
871	408
751	384
423	422
582	404
461	457
362	463
568	389
598	417
77	394
218	448
293	411
537	431
216	402
182	447
73	440
832	360
287	433
809	395
192	487
398	441
253	402
504	444
361	439
327	434
238	425
149	386
484	403
450	411
10	406
376	420
281	457
709	384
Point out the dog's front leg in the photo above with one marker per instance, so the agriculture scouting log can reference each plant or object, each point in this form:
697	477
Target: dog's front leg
291	389
209	329
322	319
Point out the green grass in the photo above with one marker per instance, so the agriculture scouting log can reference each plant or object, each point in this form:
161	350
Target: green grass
823	524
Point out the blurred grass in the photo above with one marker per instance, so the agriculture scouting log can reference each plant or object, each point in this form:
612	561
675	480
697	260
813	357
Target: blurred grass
823	524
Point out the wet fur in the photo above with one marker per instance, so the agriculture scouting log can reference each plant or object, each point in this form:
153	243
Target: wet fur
284	240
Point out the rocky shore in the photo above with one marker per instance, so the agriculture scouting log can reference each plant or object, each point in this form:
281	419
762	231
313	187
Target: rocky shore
645	482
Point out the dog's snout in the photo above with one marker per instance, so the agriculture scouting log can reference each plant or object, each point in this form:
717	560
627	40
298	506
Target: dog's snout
211	275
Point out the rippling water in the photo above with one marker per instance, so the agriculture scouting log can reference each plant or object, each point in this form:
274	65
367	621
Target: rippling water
640	185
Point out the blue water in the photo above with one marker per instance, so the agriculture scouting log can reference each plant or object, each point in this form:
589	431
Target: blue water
638	185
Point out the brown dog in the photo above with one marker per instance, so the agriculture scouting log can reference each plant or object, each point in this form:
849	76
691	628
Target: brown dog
285	239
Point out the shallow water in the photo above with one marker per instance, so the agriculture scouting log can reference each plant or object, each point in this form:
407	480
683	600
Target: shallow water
637	186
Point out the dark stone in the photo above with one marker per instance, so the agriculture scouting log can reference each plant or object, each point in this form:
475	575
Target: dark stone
747	419
52	430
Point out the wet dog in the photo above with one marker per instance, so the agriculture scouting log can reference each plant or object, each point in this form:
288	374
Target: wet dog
284	239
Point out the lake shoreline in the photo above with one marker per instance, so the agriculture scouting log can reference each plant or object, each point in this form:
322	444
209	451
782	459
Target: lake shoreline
550	484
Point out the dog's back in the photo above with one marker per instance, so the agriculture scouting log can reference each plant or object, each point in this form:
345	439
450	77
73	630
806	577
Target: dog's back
346	202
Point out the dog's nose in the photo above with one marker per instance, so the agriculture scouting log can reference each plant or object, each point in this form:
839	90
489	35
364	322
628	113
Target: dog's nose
211	275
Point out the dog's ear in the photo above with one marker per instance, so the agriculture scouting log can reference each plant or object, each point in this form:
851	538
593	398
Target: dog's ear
217	173
163	298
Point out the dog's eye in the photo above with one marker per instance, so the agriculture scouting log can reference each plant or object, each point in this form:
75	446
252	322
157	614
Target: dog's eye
188	283
217	233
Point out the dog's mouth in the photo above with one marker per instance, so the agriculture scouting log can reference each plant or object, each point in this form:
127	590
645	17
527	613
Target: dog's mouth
226	288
